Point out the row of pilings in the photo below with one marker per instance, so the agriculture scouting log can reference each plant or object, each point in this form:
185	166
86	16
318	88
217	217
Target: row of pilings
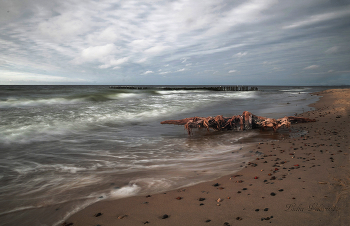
212	88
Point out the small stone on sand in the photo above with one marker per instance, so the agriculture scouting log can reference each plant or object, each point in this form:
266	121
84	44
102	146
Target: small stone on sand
165	216
98	214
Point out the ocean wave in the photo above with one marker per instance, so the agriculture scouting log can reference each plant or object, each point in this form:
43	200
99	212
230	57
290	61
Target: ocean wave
25	102
34	101
296	89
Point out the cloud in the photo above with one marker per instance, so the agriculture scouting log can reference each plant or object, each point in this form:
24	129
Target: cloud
148	72
67	37
314	19
98	52
333	49
156	50
142	60
241	54
184	60
13	77
114	62
312	67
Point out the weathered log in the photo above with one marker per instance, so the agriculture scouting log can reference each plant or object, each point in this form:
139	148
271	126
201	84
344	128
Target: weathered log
246	121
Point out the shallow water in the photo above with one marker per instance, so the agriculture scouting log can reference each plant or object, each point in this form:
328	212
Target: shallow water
65	147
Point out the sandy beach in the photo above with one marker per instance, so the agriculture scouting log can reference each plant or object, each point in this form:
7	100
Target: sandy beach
296	181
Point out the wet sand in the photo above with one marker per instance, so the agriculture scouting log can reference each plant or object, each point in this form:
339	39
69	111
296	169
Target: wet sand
303	180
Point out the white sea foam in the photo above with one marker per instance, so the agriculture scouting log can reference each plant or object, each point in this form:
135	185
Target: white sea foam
295	89
171	92
126	191
129	95
37	167
18	209
36	102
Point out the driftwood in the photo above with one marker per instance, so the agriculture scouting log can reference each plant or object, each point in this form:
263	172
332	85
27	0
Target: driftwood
246	121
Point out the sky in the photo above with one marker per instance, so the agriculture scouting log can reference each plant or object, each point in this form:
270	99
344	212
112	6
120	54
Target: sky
175	42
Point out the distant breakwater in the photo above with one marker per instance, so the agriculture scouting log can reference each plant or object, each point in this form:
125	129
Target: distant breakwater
213	88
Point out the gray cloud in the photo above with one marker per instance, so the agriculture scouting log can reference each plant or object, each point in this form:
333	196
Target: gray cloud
111	42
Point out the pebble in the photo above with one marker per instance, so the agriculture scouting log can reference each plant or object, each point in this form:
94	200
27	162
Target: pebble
239	218
179	198
66	224
98	214
207	221
266	209
226	224
273	194
165	216
216	184
256	210
201	199
146	222
281	190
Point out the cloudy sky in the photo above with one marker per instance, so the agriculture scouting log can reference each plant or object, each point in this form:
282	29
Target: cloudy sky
228	42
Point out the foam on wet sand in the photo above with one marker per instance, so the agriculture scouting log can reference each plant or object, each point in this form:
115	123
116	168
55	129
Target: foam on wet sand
303	180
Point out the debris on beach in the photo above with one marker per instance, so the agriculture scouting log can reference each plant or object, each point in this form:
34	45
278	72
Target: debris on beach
122	217
246	121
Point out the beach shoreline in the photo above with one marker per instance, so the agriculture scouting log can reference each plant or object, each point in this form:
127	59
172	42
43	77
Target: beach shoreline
302	180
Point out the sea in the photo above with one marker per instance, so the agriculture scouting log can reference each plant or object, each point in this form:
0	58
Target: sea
63	148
